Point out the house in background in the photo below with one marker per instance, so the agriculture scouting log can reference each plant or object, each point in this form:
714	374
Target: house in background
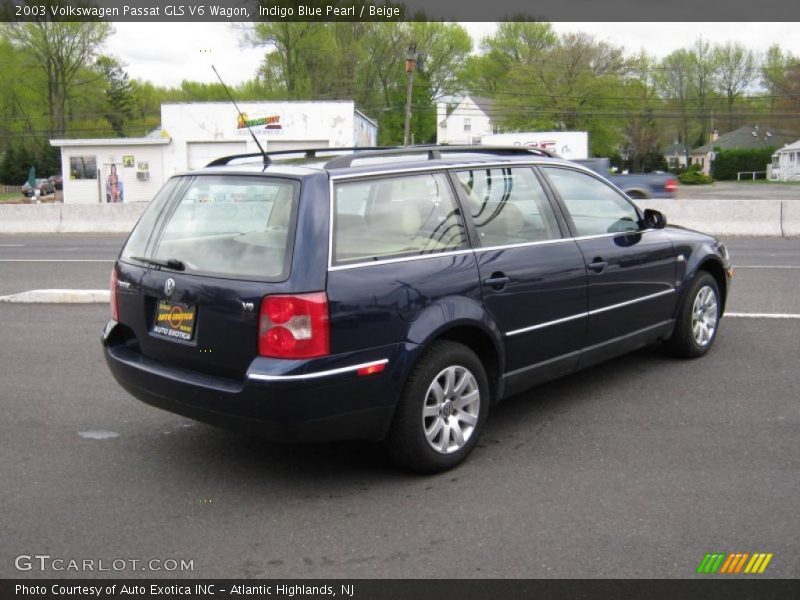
471	119
744	138
676	155
785	164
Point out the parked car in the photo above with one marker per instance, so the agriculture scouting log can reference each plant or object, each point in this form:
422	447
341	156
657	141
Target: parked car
57	181
637	186
44	187
395	295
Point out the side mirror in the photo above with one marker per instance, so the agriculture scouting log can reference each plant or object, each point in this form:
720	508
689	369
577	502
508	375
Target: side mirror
654	219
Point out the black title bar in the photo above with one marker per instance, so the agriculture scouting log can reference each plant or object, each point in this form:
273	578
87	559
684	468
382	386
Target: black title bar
409	10
709	588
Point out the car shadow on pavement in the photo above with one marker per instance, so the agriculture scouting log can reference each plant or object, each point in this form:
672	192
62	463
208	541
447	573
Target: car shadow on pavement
241	458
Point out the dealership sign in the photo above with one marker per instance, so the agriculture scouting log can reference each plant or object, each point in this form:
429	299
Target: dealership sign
260	124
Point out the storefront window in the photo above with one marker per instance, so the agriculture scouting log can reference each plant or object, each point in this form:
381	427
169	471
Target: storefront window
83	167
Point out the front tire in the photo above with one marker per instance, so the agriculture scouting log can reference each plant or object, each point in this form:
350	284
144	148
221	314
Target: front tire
442	409
698	320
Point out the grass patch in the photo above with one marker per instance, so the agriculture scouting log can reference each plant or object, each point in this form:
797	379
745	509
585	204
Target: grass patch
11	197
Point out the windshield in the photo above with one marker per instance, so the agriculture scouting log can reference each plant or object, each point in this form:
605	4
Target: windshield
228	226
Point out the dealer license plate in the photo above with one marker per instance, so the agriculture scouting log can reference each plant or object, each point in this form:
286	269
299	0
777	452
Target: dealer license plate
174	321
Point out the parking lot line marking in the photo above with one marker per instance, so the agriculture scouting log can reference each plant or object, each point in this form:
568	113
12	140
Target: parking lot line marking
59	260
763	315
766	266
12	245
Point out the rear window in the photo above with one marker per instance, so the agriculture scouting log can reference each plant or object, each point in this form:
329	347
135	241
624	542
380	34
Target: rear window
220	225
397	217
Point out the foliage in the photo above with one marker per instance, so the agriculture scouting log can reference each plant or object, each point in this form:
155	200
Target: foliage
728	163
365	62
693	176
119	94
55	83
61	51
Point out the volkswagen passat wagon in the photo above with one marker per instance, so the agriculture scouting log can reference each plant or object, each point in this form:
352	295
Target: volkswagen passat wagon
395	295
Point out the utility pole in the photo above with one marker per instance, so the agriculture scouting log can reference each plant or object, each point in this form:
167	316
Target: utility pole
411	61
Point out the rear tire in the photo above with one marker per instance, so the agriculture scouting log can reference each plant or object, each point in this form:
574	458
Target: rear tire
698	319
442	410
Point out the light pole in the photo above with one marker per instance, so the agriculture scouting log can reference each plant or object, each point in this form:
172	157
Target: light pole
411	60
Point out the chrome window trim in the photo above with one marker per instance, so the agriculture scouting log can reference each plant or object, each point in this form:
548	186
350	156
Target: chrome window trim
589	313
317	374
467	250
332	179
605	235
521	245
388	261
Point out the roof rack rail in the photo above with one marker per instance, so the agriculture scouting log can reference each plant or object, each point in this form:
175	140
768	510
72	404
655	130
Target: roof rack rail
308	152
434	152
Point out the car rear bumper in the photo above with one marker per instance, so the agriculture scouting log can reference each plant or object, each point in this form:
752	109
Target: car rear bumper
315	404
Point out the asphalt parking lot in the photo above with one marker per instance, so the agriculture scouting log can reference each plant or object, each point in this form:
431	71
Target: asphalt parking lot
635	468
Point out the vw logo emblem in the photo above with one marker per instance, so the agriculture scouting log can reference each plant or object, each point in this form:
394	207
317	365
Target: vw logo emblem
169	287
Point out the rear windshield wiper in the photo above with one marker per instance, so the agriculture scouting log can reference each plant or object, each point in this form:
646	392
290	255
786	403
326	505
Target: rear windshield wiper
170	263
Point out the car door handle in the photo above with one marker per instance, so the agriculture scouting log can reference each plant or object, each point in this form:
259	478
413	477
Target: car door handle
497	281
597	265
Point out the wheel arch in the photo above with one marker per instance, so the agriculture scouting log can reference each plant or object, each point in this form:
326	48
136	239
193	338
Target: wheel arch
479	334
717	271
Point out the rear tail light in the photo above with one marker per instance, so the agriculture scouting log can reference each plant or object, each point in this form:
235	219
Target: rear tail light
114	305
294	326
671	186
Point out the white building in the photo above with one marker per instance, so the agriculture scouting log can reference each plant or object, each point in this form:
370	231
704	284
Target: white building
572	145
467	123
785	163
192	134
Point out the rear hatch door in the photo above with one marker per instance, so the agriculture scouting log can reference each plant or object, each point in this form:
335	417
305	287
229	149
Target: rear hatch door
194	271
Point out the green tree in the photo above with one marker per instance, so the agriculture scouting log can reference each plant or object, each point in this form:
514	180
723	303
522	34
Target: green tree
119	94
62	51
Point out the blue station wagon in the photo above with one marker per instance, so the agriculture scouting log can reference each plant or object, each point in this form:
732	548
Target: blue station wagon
395	295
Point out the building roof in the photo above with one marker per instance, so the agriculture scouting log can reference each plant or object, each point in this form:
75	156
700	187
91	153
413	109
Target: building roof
676	149
485	104
789	147
145	141
743	138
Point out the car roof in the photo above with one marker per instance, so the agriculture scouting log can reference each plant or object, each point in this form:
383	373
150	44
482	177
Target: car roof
354	162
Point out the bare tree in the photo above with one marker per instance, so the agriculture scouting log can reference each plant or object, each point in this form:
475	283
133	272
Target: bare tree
675	83
703	65
736	70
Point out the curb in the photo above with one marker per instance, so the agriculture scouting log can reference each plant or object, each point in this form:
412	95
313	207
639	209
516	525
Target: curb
55	296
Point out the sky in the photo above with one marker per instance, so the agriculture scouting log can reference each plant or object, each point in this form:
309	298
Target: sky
167	53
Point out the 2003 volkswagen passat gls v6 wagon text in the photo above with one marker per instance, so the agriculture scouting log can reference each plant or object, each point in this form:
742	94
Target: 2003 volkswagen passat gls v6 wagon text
395	295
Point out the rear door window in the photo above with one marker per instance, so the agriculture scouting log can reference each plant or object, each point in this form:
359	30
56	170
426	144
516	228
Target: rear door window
239	227
397	217
508	206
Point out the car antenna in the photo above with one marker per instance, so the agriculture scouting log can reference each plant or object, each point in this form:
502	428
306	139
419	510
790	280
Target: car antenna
244	120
